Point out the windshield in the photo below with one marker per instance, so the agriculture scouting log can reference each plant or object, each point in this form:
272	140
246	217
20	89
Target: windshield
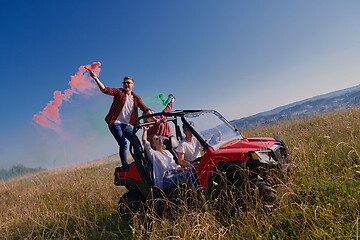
212	128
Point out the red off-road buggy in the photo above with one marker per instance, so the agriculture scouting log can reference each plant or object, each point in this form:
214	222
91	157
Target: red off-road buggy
229	160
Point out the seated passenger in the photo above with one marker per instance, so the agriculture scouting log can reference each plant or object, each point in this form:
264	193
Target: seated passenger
161	127
165	170
188	149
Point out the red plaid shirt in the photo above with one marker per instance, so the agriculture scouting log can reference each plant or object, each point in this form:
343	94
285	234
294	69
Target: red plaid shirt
119	102
161	128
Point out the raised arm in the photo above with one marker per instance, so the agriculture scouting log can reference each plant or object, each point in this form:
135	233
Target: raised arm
144	136
169	106
148	150
98	82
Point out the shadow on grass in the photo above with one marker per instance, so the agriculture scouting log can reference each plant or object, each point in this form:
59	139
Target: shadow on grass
111	227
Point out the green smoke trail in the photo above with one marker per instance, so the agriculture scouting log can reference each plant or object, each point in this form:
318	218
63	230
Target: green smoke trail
165	101
158	101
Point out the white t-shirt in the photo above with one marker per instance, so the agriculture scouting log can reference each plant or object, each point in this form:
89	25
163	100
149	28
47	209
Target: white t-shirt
191	149
161	163
125	114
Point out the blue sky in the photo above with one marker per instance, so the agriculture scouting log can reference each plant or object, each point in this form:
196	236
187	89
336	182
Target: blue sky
237	57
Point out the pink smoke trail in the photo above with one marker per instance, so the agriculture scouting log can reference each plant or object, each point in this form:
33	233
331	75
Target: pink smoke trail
49	117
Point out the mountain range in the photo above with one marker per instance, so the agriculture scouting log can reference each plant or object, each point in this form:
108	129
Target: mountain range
330	102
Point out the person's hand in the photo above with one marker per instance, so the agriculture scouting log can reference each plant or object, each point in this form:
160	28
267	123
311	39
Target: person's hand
148	112
92	74
182	169
194	163
162	120
145	128
169	171
173	99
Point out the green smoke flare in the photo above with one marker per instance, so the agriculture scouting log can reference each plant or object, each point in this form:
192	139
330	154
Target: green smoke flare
162	98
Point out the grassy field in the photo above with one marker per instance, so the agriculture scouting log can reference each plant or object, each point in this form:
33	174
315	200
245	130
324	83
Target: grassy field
321	200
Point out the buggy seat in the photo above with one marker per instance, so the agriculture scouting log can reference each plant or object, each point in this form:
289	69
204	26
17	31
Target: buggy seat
170	144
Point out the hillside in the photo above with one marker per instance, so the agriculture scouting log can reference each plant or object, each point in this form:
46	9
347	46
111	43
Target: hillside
321	200
335	101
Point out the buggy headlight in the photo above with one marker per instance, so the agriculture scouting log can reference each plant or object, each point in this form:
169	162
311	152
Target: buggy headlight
263	156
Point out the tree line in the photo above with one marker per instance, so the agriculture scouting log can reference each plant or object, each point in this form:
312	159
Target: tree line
17	170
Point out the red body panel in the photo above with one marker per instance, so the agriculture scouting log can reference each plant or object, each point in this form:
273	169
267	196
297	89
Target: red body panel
251	143
234	151
132	174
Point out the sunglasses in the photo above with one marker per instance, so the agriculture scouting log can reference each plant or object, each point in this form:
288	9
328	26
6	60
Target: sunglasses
157	138
127	82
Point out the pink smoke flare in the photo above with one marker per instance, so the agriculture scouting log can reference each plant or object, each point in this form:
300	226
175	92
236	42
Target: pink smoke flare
49	117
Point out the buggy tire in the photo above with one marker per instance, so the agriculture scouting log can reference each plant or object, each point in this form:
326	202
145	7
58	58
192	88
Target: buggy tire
267	193
129	205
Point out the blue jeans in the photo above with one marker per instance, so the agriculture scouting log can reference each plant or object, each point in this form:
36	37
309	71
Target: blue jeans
173	179
122	132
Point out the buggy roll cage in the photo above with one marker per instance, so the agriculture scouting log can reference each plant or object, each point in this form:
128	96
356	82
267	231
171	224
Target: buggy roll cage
136	145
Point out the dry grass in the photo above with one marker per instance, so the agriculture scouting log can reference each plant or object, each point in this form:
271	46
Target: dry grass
67	203
321	200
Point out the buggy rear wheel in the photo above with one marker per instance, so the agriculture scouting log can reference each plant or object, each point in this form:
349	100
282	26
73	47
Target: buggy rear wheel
130	204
